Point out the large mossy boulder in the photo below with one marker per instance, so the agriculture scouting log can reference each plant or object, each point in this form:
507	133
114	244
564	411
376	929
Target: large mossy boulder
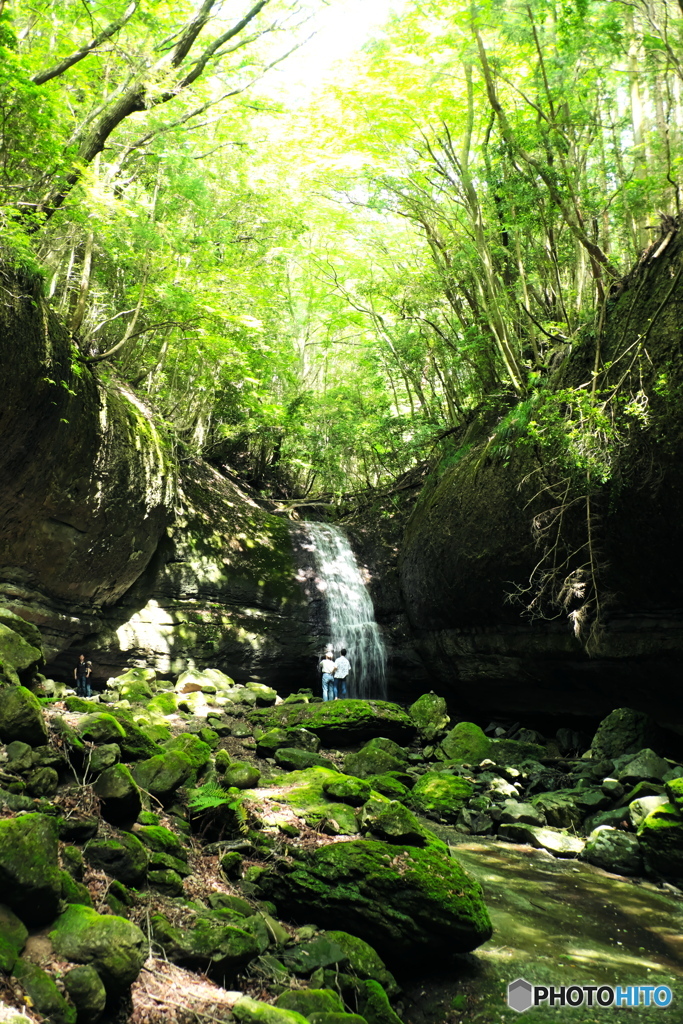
135	685
192	747
429	716
21	717
466	743
365	962
252	1011
87	992
115	947
440	795
371	760
30	878
614	850
340	722
303	793
101	727
311	1000
410	903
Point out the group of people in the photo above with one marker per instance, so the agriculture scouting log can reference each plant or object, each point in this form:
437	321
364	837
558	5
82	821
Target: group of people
335	672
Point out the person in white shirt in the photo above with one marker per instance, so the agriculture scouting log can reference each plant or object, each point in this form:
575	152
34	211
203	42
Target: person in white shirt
343	668
328	668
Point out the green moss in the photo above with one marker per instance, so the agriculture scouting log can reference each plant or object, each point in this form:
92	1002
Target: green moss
674	790
13	936
441	795
371	761
250	1011
75	892
310	1000
115	947
164	773
340	722
466	743
21	717
192	747
388	785
30	878
101	727
163	704
365	962
347	789
661	837
124	858
161	840
241	775
44	994
429	715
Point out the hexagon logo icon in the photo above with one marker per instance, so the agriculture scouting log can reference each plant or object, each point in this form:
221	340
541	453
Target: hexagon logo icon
520	995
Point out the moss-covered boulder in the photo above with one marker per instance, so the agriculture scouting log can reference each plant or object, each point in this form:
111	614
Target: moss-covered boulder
390	820
101	727
30	880
43	993
440	795
390	784
340	722
124	858
674	790
86	991
195	750
429	716
104	757
365	962
216	940
163	774
293	759
115	947
411	903
466	743
311	1000
661	838
374	1005
303	793
159	839
162	704
135	744
21	717
614	850
348	789
43	782
241	775
120	795
135	685
371	761
20	655
252	1011
13	936
75	892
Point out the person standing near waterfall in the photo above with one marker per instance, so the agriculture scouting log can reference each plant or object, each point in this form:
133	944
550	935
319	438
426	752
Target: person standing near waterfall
343	667
328	668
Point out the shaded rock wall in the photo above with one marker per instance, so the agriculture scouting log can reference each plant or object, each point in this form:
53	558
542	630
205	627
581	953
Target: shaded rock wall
469	544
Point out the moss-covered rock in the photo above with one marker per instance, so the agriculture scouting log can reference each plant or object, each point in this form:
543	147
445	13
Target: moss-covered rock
440	795
195	750
310	1000
661	837
212	939
43	993
135	744
115	947
429	716
371	761
159	839
163	774
390	784
390	820
43	782
21	717
341	722
411	903
303	792
135	685
104	757
614	850
674	789
13	936
120	795
336	1018
251	1011
75	892
365	962
162	704
294	759
19	657
349	790
124	858
87	992
624	731
241	775
101	727
30	878
466	743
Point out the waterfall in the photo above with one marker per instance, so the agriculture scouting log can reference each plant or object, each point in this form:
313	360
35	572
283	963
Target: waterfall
350	613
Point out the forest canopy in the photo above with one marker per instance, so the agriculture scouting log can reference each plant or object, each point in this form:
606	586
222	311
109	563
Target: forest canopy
315	294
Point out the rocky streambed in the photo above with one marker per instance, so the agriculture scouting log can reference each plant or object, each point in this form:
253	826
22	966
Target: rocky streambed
193	849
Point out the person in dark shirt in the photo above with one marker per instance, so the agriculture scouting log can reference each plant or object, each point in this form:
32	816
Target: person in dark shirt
82	677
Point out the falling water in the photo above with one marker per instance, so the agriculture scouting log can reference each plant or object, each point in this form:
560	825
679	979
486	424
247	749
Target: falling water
351	615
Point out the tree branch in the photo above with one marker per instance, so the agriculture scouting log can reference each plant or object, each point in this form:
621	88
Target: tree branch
83	51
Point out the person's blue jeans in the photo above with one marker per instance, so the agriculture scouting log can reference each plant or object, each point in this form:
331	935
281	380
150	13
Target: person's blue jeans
340	685
329	689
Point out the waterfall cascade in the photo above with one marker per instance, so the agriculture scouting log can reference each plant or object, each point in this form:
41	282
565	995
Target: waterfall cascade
350	613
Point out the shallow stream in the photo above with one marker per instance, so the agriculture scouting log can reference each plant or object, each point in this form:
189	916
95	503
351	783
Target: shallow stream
556	922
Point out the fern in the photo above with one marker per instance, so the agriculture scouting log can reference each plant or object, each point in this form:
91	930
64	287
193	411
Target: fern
210	796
